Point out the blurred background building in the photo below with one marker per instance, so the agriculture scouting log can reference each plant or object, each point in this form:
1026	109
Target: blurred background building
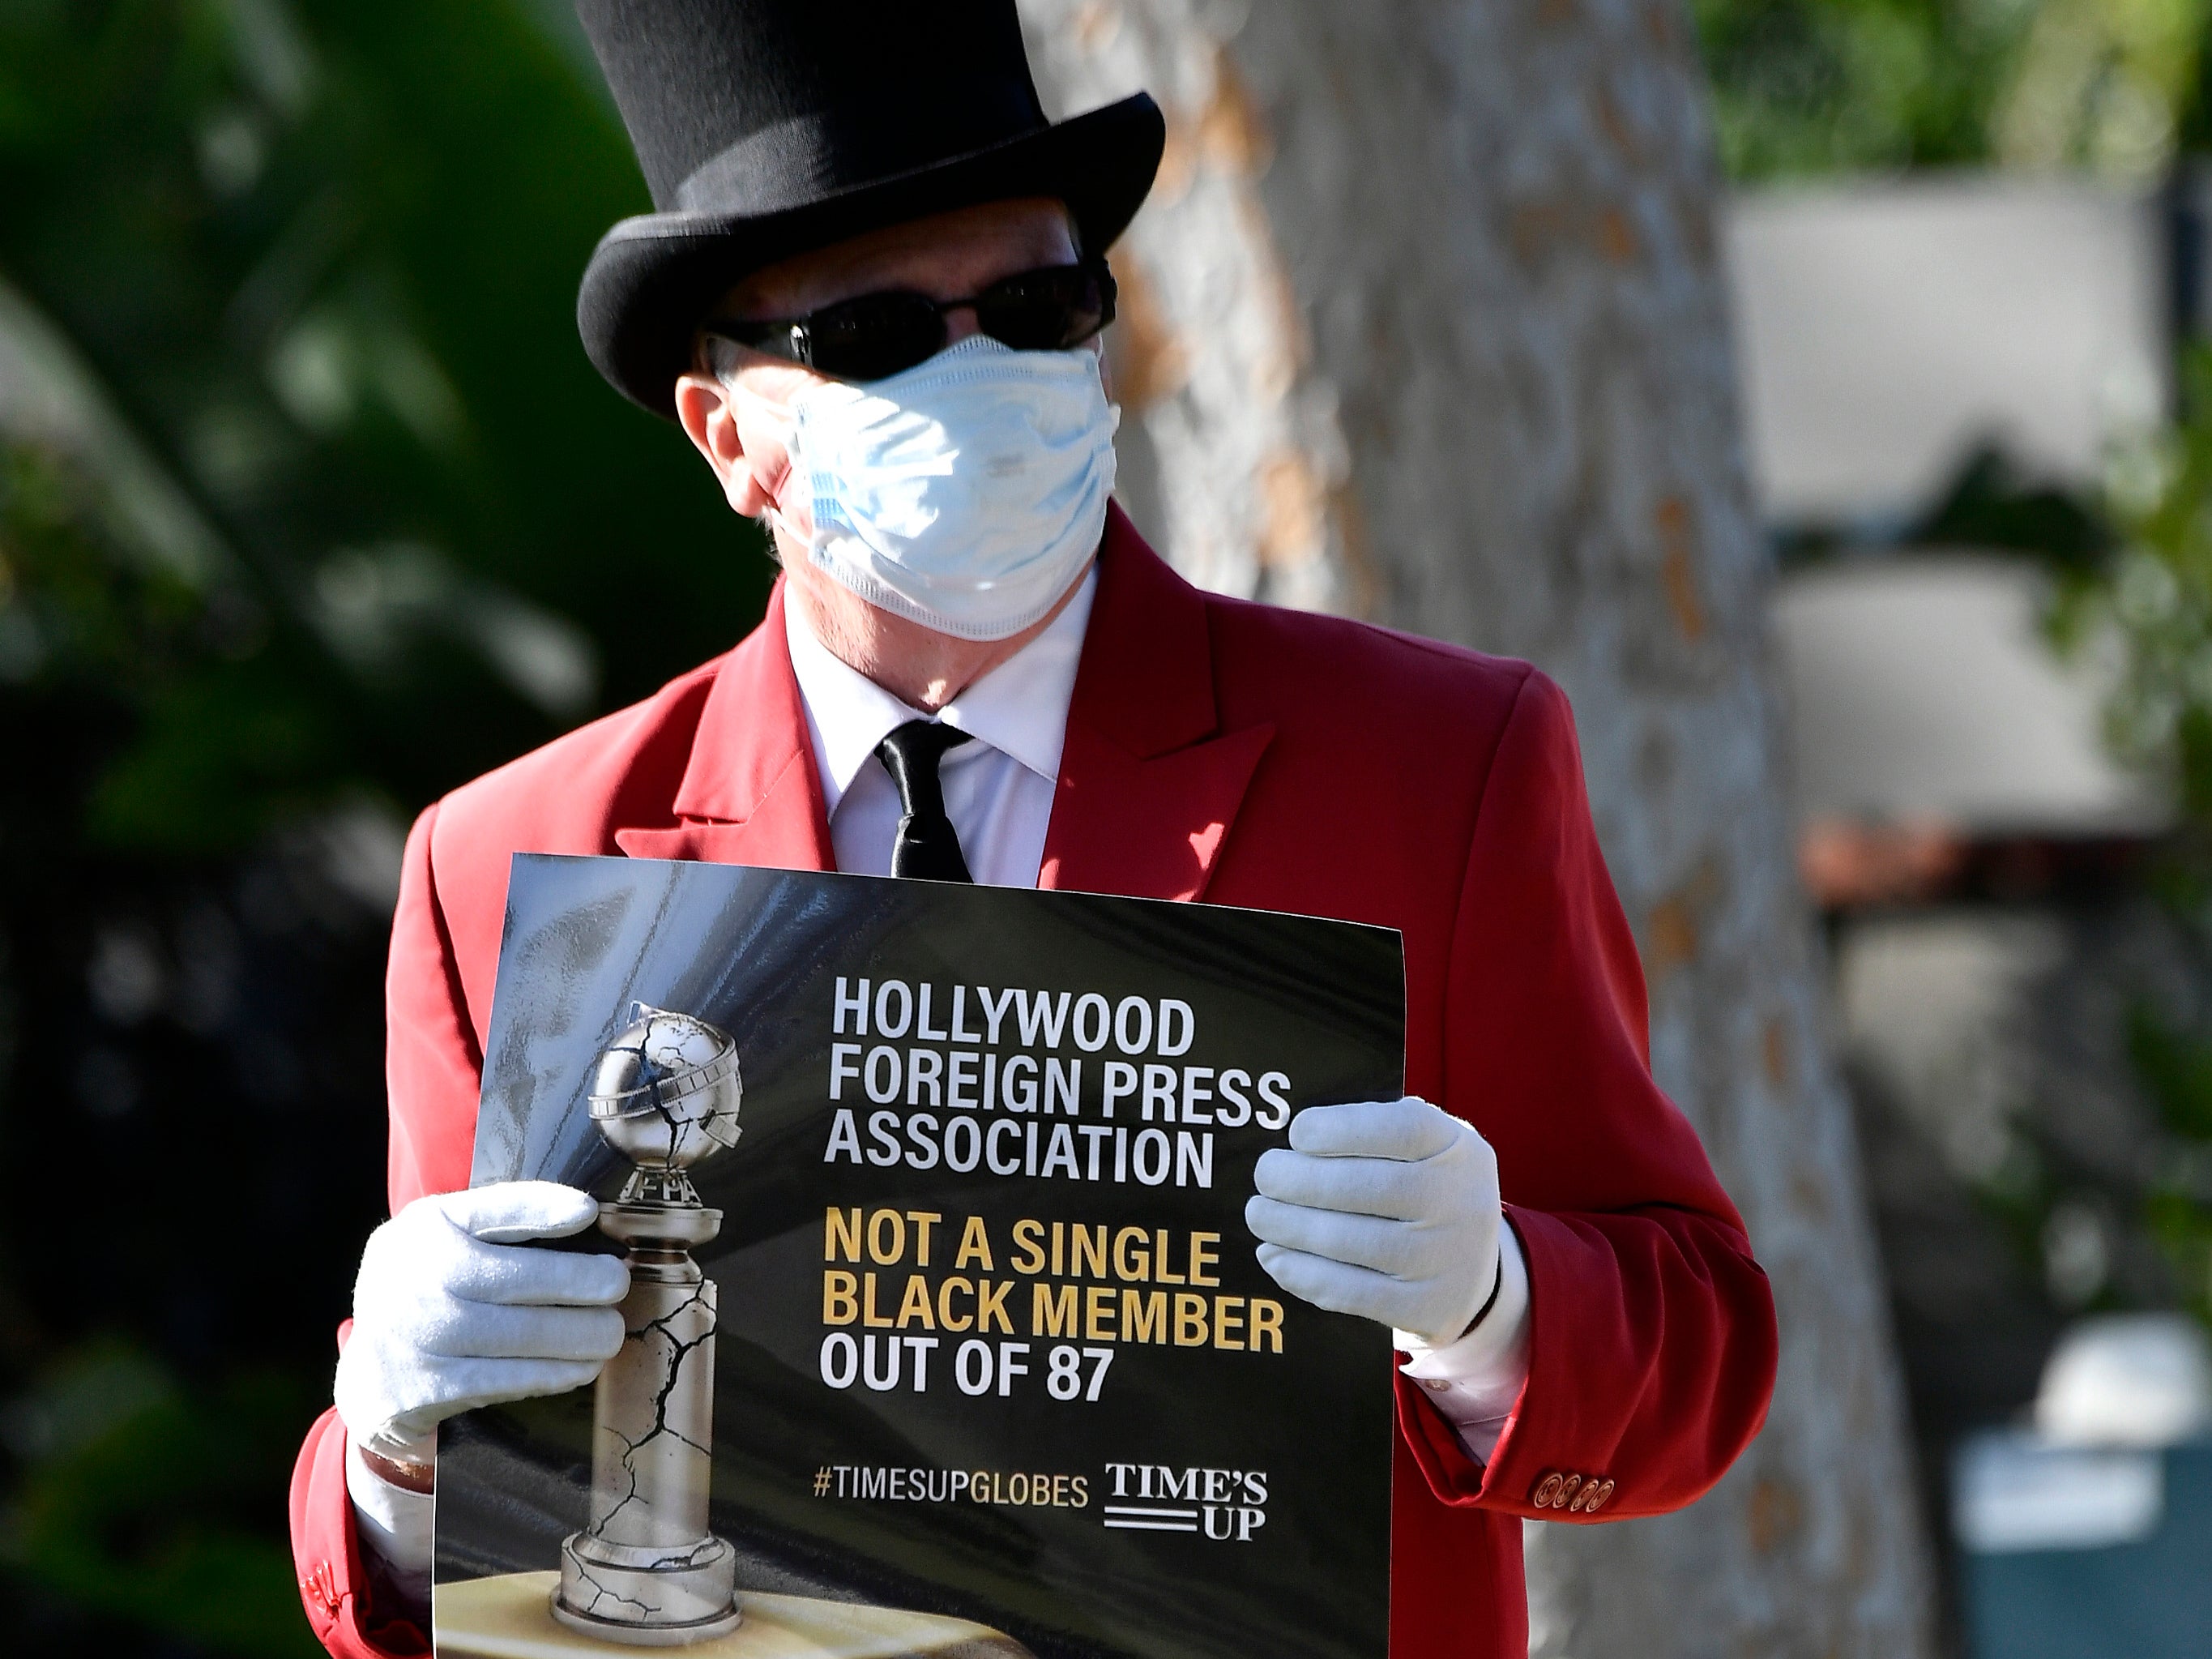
306	500
1971	396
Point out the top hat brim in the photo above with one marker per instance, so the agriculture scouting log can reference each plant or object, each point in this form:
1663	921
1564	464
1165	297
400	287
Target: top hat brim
653	279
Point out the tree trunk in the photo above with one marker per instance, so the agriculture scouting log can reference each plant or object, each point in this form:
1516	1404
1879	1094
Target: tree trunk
1424	323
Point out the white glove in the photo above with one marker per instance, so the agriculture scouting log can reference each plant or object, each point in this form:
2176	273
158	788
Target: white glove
1384	1208
451	1312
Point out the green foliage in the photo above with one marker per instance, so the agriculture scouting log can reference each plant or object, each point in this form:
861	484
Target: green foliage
140	1497
1811	87
308	498
2148	600
1989	506
1804	87
70	608
2175	1070
2180	1220
2155	593
315	267
207	724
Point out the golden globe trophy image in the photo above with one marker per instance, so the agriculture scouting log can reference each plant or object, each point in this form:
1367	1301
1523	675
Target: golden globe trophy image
646	1570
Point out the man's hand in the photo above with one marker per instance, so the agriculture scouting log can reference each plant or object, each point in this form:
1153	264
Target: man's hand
1383	1208
451	1311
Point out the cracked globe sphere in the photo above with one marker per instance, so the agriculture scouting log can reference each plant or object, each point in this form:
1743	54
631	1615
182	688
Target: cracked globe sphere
667	1090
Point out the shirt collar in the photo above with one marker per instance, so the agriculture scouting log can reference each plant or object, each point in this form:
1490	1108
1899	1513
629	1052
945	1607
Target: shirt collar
1020	708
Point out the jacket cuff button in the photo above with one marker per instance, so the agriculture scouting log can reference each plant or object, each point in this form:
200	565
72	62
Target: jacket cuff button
1547	1490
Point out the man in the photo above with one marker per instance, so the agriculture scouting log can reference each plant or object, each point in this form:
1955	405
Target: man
873	298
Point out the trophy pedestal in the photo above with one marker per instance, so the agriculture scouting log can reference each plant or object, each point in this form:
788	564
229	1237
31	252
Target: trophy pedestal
656	1599
648	1572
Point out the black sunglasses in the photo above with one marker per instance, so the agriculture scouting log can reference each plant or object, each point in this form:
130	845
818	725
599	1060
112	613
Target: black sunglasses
872	335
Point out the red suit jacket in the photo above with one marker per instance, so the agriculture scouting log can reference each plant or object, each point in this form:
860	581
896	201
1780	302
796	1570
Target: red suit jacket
1253	756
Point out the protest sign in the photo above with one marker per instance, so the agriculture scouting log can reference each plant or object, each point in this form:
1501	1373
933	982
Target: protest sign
946	1333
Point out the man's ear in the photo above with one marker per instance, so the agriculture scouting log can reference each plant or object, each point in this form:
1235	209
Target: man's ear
709	419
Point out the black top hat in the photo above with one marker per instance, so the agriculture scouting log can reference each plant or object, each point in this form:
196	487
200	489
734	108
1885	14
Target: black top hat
767	128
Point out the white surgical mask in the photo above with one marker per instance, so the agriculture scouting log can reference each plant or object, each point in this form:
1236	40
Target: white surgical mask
966	493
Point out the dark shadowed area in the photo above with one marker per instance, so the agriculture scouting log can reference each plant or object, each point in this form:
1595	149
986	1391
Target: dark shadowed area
310	509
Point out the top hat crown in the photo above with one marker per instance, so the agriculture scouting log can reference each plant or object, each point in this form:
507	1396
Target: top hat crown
767	128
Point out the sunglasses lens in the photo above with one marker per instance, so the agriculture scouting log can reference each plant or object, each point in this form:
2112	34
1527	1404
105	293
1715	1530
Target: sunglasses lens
871	337
877	335
1047	310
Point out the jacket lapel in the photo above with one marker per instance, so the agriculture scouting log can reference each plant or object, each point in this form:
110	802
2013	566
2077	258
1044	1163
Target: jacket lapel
1149	786
750	794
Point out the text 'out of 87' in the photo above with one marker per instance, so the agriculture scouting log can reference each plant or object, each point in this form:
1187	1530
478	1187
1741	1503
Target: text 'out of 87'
978	1368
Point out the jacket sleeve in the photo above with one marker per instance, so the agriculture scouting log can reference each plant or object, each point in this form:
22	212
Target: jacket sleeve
1652	1337
432	1067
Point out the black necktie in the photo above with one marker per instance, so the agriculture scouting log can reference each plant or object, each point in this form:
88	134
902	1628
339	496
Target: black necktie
926	846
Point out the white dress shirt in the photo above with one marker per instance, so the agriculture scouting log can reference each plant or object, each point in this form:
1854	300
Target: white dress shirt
998	786
1475	1382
